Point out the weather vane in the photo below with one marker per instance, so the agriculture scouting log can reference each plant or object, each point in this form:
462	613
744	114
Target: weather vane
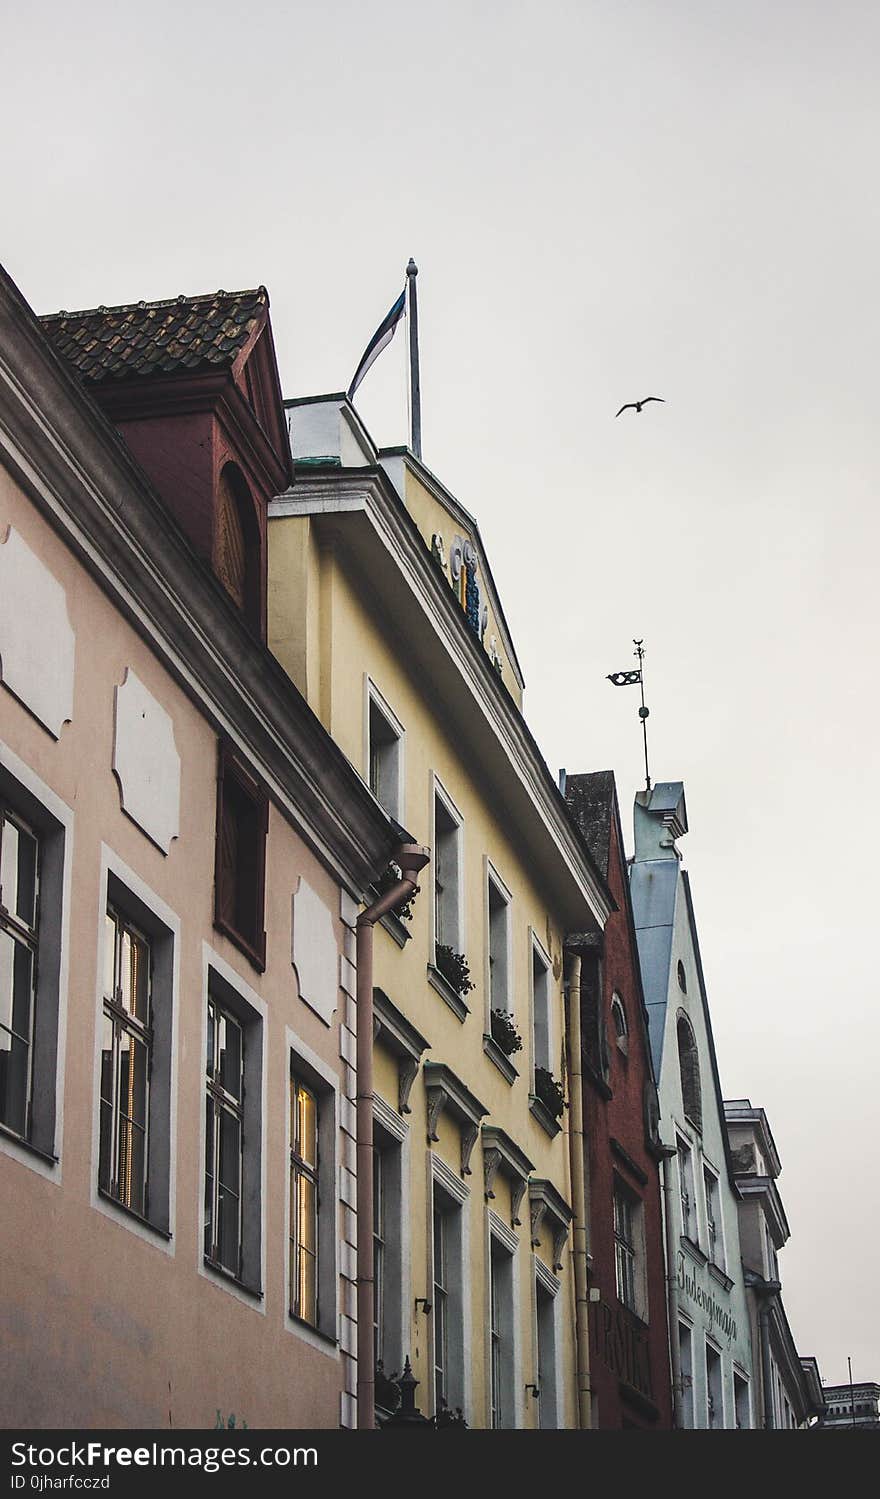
627	679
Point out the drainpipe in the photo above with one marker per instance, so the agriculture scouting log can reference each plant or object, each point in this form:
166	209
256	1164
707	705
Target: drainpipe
671	1298
411	858
764	1291
576	1144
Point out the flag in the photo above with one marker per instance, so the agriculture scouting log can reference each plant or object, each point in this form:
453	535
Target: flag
380	340
624	678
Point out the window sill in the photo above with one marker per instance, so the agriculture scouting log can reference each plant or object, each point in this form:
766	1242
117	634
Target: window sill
220	1270
254	955
500	1059
309	1327
721	1275
694	1249
396	928
161	1233
543	1116
447	993
44	1155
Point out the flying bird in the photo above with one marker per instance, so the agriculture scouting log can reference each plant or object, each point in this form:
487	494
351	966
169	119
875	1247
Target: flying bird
637	405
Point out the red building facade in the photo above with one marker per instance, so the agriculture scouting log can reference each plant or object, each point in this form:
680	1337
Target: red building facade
629	1346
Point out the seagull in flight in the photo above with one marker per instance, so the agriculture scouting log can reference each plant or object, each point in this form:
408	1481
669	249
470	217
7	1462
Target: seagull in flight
637	405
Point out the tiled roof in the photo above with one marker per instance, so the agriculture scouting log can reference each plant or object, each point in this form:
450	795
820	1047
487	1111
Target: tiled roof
157	338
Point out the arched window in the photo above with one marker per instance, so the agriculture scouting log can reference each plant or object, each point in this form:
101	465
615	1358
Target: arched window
689	1067
237	544
682	981
618	1018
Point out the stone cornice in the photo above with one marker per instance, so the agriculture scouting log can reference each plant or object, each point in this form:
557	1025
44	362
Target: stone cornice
448	1094
65	455
367	510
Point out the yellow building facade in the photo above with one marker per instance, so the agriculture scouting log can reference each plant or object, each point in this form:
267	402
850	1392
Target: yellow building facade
383	611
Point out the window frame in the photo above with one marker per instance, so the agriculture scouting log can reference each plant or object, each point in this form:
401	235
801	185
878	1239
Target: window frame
34	803
550	1387
454	882
232	774
544	1001
689	1072
714	1241
302	1170
503	1406
302	1062
687	1189
392	1300
450	1193
498	996
23	935
231	993
393	798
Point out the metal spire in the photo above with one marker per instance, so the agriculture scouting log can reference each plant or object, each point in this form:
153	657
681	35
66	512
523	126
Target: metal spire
627	679
415	395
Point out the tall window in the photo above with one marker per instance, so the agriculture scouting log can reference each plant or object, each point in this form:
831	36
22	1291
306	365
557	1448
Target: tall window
19	888
714	1389
378	1255
689	1068
224	1139
713	1217
126	1058
495	1338
303	1202
499	931
625	1247
441	1305
501	1308
686	1368
741	1401
385	751
240	858
447	845
686	1190
618	1020
541	1010
548	1415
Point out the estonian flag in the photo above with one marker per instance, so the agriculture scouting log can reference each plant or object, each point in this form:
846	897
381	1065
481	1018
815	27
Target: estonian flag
380	340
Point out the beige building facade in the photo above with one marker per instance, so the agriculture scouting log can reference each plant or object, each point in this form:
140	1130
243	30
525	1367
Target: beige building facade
183	851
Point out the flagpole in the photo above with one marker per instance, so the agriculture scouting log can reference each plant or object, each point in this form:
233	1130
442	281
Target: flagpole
415	405
643	711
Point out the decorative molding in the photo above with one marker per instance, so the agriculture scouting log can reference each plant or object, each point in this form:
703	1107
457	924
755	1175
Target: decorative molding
548	1280
389	1119
37	643
447	1093
447	1178
499	1059
626	1160
502	1233
546	1203
401	1038
500	1153
543	1116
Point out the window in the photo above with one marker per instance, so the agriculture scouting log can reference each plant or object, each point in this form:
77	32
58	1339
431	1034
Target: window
689	1069
501	1315
618	1020
686	1190
126	1063
303	1202
384	754
19	919
714	1389
498	945
545	1311
713	1217
313	1194
378	1256
238	546
390	1238
680	974
686	1372
441	1305
224	1130
240	858
33	936
233	1130
741	1402
447	875
625	1246
541	1009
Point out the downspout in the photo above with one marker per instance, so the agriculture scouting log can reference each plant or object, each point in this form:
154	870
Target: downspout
411	858
671	1298
764	1291
576	1146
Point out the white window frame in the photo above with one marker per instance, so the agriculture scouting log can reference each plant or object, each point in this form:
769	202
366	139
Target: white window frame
506	1244
440	794
450	1187
742	1385
686	1374
720	1256
315	1073
53	819
493	878
245	996
618	1007
718	1424
394	1133
550	1286
122	888
538	952
393	803
690	1223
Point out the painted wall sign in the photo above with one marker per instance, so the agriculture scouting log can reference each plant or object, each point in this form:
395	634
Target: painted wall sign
719	1317
623	1346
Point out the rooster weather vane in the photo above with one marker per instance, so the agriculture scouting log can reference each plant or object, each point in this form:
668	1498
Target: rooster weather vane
630	678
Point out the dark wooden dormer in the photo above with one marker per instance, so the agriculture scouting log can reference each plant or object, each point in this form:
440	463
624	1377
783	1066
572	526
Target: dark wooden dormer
192	386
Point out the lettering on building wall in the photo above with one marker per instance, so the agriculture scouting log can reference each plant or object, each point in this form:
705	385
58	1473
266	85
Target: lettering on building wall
718	1316
622	1344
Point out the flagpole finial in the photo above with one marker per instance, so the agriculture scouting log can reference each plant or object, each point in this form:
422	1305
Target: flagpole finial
412	269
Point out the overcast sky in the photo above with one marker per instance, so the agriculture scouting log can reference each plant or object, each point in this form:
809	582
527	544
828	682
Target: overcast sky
605	201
